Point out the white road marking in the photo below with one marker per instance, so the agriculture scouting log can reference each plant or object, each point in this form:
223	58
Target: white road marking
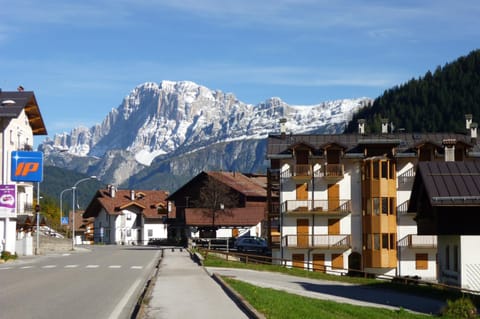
71	266
115	266
5	268
136	267
49	266
92	266
26	267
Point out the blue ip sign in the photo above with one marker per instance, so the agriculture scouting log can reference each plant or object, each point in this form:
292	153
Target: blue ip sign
27	166
64	220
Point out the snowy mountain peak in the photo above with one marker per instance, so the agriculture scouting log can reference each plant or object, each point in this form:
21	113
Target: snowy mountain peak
171	118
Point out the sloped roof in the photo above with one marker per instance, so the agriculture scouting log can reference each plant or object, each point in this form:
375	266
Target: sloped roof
147	201
404	142
241	217
449	183
12	104
240	183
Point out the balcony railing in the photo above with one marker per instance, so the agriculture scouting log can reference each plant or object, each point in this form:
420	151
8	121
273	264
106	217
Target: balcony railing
405	180
418	241
342	206
330	170
317	241
402	209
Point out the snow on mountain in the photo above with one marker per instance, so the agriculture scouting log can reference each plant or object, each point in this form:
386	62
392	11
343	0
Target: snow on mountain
166	119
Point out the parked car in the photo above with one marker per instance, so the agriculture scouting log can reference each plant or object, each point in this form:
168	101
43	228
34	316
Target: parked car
257	244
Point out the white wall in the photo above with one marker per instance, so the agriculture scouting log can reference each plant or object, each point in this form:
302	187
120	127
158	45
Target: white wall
470	262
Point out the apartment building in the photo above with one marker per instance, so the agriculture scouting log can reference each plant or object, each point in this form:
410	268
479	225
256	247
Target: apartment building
343	198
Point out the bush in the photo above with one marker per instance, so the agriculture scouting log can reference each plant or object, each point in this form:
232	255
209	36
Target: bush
6	255
460	308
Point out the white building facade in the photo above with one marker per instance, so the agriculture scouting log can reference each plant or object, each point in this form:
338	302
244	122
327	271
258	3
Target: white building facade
20	120
343	201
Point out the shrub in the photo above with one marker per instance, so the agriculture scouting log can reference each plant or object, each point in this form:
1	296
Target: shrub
460	308
6	255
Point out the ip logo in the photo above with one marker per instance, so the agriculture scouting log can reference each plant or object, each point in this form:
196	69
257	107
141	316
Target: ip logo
27	166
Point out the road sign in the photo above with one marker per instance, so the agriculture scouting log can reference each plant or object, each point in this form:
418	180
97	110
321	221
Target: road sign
65	220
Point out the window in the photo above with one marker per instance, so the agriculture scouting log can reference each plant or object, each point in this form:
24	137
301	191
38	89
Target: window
385	205
384	165
392	206
455	258
421	261
376	241
393	241
375	170
447	257
129	232
150	232
129	216
384	241
376	206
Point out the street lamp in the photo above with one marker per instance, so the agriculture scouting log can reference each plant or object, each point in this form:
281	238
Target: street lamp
61	206
74	187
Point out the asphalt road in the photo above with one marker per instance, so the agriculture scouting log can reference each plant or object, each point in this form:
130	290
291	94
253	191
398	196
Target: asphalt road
102	282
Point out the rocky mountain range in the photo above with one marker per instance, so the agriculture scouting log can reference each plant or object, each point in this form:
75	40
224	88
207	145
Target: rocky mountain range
162	132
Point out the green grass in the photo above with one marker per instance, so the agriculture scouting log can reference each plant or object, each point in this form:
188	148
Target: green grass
439	293
276	304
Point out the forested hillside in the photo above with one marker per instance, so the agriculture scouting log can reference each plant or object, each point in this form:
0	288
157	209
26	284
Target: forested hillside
435	102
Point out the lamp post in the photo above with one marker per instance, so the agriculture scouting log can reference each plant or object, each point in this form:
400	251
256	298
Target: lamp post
61	206
74	187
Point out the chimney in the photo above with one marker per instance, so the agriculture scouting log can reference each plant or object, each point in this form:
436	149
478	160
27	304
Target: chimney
112	190
132	195
384	126
473	132
361	126
449	146
283	128
468	120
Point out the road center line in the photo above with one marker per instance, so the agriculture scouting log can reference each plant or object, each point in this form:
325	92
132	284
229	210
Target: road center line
115	266
92	266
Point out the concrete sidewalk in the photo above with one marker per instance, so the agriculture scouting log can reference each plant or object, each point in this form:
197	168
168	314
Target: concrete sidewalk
183	289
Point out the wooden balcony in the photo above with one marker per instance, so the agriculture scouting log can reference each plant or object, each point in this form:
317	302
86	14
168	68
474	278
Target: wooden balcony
298	172
418	241
330	171
317	241
322	207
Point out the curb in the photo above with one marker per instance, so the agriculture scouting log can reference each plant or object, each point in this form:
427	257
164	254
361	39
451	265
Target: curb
248	309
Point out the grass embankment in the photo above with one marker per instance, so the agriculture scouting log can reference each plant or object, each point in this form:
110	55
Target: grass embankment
282	305
277	304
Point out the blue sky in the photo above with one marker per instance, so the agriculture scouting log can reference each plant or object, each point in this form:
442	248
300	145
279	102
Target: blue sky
81	58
